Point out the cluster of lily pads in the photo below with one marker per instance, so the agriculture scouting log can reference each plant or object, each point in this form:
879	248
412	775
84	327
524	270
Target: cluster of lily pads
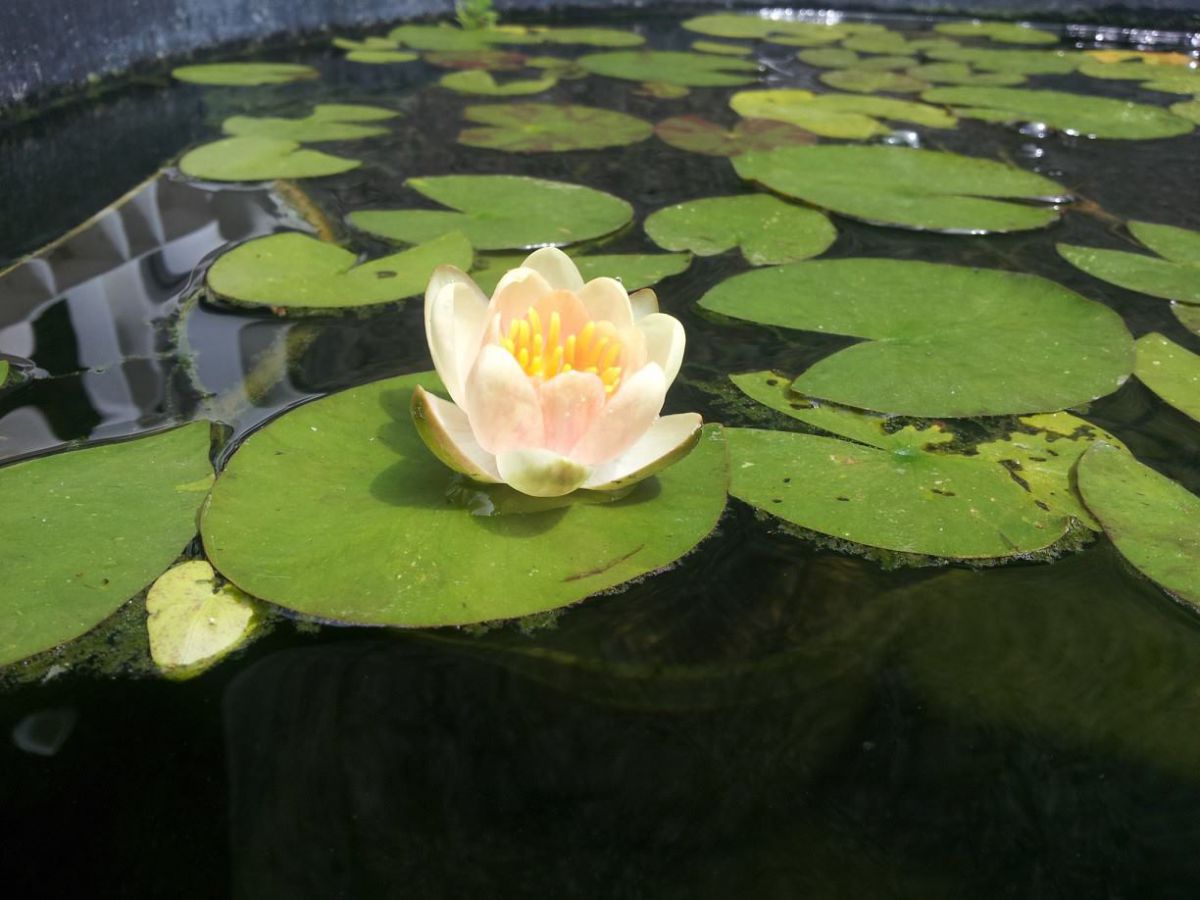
337	511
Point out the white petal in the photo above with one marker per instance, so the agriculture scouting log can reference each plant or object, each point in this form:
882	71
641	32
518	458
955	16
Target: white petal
517	290
665	341
668	440
454	325
447	433
502	404
606	300
540	473
643	303
556	267
442	276
626	416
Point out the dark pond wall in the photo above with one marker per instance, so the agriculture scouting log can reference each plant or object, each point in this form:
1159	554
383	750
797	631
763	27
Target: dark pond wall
48	45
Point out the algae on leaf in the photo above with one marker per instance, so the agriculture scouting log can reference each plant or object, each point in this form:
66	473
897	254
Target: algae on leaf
260	159
1174	276
1172	372
546	127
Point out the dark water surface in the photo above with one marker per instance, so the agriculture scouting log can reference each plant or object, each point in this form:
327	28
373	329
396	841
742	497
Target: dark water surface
769	719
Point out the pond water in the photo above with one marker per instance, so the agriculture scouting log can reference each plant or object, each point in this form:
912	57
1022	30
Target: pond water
781	713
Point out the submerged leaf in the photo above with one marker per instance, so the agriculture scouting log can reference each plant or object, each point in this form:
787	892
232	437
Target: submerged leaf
260	159
698	135
328	122
249	74
836	115
477	81
1170	371
1177	277
672	67
545	127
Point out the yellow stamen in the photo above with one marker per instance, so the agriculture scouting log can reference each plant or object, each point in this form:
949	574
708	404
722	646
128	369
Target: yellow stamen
545	352
569	352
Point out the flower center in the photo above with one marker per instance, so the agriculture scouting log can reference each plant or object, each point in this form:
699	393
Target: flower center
544	351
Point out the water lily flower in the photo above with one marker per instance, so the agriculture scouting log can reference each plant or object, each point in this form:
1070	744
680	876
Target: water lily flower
556	384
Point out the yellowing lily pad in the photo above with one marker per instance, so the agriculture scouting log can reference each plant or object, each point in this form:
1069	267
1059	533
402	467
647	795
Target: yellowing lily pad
546	127
86	530
671	67
698	135
766	229
477	81
260	159
249	74
922	189
328	122
1001	32
961	73
836	115
1017	62
873	81
345	491
1153	521
941	341
296	271
1170	371
1176	276
501	212
633	270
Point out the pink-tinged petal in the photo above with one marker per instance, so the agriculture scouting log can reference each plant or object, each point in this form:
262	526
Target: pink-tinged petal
643	303
572	313
541	473
445	275
626	416
447	433
556	267
454	326
518	290
570	403
502	403
669	440
665	341
606	300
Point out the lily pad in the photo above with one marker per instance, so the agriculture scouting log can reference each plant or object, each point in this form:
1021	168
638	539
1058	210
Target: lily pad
1170	371
633	270
721	48
872	81
449	37
940	341
1100	117
86	530
592	37
194	622
766	229
837	115
545	128
296	271
838	58
1175	276
738	25
477	81
371	42
660	91
471	60
921	189
328	122
243	74
1188	316
672	67
1002	32
1018	62
381	57
961	73
1187	109
260	159
894	43
344	491
698	135
1155	77
1153	521
501	212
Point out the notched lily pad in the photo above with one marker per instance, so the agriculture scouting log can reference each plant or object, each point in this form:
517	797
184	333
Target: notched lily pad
545	127
477	81
1001	32
633	270
1173	275
260	159
328	122
837	115
872	81
672	67
249	74
1172	372
698	135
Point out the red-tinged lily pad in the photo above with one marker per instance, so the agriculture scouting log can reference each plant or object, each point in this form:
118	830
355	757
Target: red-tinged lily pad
547	128
489	60
698	135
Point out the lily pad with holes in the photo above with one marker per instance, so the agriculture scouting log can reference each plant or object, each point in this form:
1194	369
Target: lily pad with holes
260	159
381	57
250	74
501	212
873	81
550	128
1100	117
477	81
961	73
328	122
939	340
1173	275
921	189
296	271
1153	521
1188	316
86	530
1172	372
672	67
338	510
837	115
633	270
1001	32
767	230
698	135
1014	62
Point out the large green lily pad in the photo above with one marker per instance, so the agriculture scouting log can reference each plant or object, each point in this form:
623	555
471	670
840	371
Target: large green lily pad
501	212
1175	276
672	67
1100	117
1187	314
873	81
249	74
546	127
1170	371
296	271
698	135
478	81
1153	77
338	510
922	189
84	531
260	159
961	73
942	341
633	270
1002	32
841	58
1153	521
766	229
837	115
1187	109
1017	62
721	48
328	122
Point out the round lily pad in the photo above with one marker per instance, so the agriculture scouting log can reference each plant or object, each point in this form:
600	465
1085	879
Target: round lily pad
672	67
86	530
243	74
381	57
721	48
296	271
1153	521
873	81
940	341
633	270
1019	62
837	115
328	122
501	212
1175	276
477	81
698	135
922	189
961	73
766	229
338	510
546	127
260	159
1170	371
1002	32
